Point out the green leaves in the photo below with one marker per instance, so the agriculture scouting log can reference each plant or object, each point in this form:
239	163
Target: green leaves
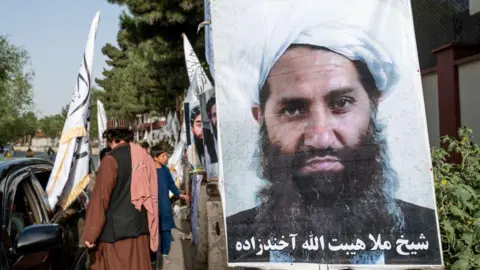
15	93
461	265
457	187
148	69
457	211
52	126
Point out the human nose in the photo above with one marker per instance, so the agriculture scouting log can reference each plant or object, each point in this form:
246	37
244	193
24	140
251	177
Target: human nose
319	132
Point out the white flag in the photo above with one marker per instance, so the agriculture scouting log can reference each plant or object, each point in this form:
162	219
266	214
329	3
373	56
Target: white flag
194	67
102	123
145	136
175	127
69	176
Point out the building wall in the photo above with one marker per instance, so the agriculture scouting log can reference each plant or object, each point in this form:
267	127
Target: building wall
43	142
430	94
468	77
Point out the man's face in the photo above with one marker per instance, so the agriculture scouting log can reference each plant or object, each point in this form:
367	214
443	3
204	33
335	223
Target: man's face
213	112
197	127
318	105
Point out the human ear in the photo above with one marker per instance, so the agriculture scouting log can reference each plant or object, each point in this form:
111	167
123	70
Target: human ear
257	113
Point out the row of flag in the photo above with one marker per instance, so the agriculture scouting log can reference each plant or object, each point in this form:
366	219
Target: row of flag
70	174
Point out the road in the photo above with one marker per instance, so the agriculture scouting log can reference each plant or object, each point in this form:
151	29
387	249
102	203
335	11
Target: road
43	155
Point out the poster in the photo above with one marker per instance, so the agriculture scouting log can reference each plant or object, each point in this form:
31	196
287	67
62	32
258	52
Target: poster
209	123
323	143
195	149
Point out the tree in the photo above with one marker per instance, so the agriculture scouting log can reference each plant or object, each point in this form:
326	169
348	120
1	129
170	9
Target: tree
16	104
52	126
148	69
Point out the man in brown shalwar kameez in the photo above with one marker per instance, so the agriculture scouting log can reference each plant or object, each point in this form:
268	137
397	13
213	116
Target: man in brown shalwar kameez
116	232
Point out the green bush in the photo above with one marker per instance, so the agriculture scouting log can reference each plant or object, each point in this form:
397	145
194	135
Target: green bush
457	188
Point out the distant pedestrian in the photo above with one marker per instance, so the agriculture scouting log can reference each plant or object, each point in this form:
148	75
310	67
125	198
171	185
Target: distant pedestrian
146	146
29	153
166	184
50	151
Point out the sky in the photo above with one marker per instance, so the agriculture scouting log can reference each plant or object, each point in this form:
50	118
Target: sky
54	32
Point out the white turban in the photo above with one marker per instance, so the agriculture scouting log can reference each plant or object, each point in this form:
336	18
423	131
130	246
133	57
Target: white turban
269	27
352	43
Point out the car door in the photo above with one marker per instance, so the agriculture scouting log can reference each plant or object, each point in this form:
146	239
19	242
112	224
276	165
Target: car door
20	181
70	219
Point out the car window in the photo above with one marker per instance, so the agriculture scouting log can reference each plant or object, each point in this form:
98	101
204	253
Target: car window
25	210
42	177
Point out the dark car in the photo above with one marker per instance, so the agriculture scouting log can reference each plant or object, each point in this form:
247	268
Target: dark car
32	236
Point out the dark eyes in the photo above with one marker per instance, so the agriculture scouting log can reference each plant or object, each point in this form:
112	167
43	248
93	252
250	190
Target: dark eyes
295	109
340	103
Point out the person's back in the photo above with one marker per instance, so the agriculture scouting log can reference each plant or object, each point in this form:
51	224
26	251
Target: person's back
113	225
123	220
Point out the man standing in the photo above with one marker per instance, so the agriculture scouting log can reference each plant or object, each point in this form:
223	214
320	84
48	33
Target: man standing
114	228
165	184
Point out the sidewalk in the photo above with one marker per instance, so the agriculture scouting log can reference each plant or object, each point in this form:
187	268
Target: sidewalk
181	251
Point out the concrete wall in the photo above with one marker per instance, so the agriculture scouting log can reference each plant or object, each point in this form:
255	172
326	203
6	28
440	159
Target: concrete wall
430	95
201	249
217	251
469	81
44	142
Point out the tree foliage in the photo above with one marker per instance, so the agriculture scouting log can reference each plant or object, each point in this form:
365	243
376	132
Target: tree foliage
52	126
16	109
457	188
148	68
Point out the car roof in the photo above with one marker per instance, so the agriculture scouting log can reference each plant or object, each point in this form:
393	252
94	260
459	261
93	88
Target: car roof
8	164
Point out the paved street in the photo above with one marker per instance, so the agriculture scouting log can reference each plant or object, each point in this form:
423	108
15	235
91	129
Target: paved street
43	155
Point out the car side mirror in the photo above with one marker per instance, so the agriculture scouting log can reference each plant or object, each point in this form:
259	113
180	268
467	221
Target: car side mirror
38	238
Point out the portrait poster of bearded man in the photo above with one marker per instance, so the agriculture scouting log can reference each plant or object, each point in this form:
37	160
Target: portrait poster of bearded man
209	122
323	138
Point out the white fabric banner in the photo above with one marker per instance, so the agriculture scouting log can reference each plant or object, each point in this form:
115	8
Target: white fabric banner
102	123
194	66
70	176
175	127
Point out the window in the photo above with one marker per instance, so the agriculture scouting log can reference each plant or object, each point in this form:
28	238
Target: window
25	210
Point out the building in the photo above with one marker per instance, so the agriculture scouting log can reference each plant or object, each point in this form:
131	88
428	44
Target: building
448	42
148	127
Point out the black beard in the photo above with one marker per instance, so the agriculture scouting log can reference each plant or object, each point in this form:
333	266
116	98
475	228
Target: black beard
199	146
351	203
214	129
